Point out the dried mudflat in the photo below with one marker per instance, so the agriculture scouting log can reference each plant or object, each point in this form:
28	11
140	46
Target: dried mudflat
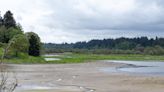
83	77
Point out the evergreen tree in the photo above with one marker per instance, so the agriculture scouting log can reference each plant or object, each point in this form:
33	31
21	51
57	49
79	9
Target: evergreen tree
1	21
34	44
9	20
4	37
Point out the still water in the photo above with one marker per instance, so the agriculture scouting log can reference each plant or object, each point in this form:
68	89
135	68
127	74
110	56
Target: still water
140	67
52	59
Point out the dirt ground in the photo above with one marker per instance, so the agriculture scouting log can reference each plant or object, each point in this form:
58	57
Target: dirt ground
86	77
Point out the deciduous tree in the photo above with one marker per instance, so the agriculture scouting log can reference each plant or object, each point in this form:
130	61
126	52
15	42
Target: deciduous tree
20	44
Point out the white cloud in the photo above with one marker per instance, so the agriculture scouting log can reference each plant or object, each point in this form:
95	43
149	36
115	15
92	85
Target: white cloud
74	20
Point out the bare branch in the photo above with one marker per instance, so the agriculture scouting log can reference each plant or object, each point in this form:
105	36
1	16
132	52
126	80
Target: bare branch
8	83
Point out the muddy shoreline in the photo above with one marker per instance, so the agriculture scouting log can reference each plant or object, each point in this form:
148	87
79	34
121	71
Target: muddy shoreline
85	77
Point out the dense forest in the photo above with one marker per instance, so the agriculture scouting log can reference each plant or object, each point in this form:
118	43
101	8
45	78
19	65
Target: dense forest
139	45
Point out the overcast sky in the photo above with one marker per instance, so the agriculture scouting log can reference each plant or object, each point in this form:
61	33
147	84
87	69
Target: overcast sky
79	20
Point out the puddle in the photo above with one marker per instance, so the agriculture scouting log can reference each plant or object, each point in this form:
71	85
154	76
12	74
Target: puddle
138	67
50	88
52	59
34	87
51	55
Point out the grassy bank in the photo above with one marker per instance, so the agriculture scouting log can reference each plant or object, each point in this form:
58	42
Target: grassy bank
80	58
22	58
29	60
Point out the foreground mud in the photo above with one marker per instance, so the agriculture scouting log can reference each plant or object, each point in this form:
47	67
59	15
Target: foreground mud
85	77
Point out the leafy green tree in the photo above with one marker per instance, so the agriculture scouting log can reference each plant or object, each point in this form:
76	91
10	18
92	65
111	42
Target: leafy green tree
158	50
149	50
34	44
8	34
9	20
13	31
8	27
19	44
125	45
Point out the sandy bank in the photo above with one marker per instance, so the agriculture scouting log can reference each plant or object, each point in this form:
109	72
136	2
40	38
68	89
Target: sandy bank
86	77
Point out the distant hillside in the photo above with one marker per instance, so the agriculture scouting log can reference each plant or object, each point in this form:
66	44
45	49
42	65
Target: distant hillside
135	44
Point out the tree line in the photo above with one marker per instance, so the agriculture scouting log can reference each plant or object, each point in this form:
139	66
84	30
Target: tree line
138	45
11	33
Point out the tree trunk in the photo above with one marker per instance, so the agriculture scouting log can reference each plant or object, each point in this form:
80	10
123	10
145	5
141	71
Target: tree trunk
3	55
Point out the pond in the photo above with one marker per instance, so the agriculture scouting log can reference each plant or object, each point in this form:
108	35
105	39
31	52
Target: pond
52	59
139	67
50	55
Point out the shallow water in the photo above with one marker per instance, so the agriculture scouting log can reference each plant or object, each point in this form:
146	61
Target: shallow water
51	88
52	59
139	67
51	55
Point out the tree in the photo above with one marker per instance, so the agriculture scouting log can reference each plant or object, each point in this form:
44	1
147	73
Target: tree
20	44
13	31
3	35
8	27
9	20
7	84
8	34
1	20
34	44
